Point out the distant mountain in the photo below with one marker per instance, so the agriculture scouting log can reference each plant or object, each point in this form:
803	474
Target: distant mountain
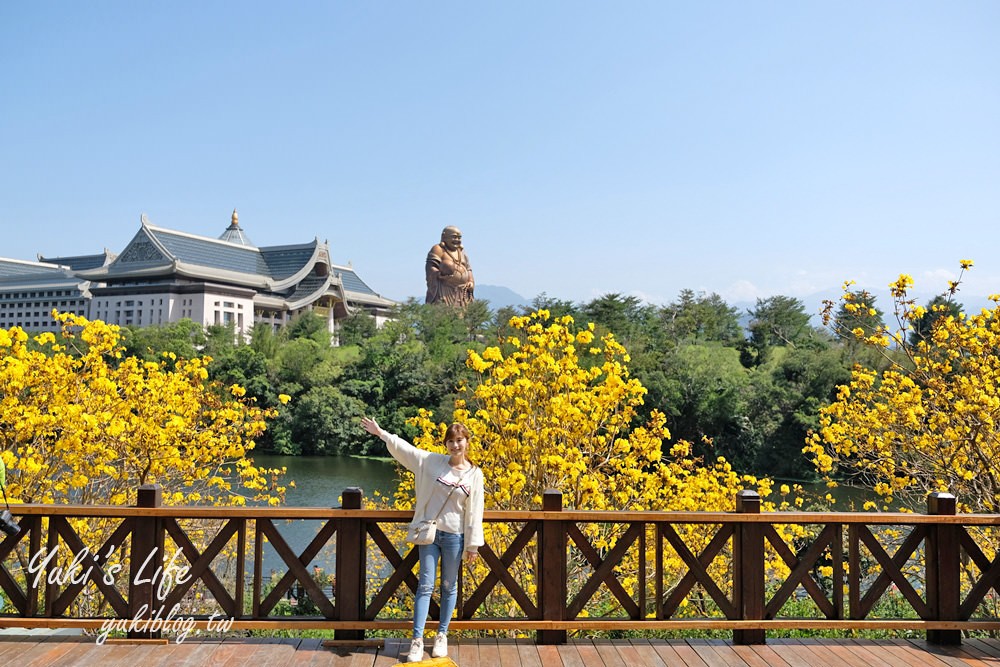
499	296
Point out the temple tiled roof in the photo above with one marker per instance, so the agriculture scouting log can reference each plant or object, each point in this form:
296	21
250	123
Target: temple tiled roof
211	253
352	283
80	262
308	287
284	261
22	275
12	268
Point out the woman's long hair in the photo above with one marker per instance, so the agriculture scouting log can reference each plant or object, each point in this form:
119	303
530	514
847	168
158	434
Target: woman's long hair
458	430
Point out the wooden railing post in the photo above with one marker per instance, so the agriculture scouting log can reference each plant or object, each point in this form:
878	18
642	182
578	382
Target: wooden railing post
351	565
552	569
943	569
748	569
146	560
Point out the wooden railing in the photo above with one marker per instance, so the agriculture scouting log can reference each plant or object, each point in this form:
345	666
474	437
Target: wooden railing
940	570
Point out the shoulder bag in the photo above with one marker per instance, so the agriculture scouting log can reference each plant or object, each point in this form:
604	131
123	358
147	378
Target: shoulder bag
423	532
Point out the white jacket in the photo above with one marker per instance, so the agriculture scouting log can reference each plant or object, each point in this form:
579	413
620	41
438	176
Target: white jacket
426	468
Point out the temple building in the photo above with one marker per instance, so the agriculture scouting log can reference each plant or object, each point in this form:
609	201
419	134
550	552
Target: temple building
29	291
164	275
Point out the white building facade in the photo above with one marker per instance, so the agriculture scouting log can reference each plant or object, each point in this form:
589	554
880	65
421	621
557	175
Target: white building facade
165	275
30	291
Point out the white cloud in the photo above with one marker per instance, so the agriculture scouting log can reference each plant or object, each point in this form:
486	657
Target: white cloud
741	290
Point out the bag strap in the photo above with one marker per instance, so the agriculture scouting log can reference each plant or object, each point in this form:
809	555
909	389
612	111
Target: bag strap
445	503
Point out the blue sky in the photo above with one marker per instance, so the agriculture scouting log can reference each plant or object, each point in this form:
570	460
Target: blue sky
743	148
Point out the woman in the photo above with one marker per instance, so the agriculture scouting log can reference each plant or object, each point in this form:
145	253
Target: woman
450	488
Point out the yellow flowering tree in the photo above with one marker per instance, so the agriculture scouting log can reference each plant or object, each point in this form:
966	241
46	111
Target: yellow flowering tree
929	421
553	407
81	423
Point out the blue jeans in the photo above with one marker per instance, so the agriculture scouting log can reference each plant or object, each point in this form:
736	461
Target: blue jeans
448	548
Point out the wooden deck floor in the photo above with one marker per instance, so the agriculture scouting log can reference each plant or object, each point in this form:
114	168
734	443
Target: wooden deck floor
42	651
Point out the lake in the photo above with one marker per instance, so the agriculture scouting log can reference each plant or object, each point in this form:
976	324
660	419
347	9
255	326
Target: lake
319	481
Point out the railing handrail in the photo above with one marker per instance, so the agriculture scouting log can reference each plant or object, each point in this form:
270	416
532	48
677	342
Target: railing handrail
590	516
939	540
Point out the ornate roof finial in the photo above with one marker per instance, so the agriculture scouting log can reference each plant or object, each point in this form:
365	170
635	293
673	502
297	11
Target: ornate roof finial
143	220
234	234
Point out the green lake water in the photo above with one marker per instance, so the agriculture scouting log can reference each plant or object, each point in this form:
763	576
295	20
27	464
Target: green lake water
319	482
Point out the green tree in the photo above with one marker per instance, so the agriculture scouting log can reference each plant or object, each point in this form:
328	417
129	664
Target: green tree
309	325
295	361
858	315
476	317
557	307
941	306
784	400
500	326
356	327
326	422
777	321
184	338
264	340
700	318
408	365
437	325
626	316
248	368
704	396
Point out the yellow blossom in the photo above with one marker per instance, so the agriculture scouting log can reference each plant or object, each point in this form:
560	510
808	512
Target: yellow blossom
540	420
927	419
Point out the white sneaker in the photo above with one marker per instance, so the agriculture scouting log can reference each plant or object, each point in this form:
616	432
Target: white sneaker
416	653
440	649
